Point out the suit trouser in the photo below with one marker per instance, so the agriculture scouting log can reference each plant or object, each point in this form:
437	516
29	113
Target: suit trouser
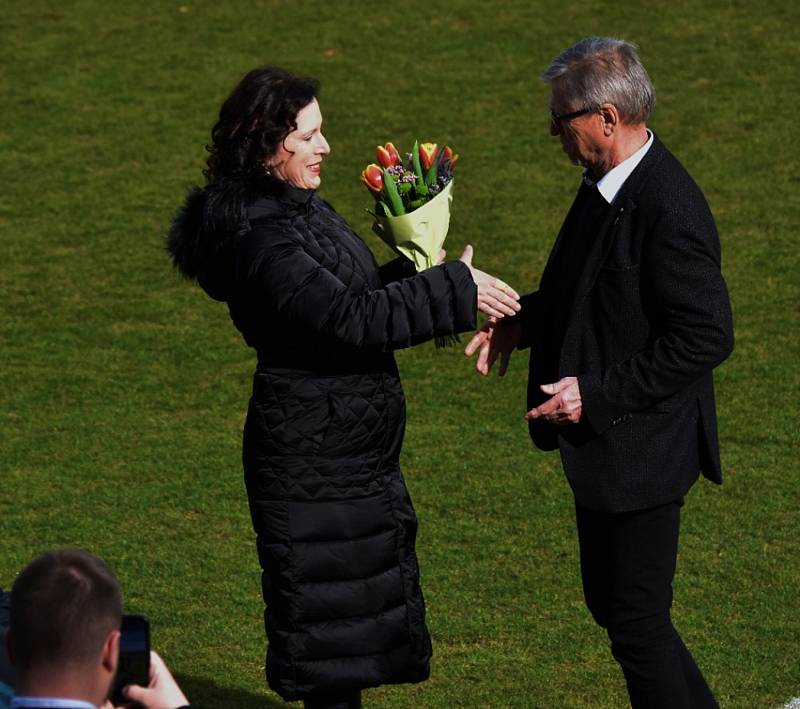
627	564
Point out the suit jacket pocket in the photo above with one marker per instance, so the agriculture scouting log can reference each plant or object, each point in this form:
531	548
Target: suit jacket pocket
621	326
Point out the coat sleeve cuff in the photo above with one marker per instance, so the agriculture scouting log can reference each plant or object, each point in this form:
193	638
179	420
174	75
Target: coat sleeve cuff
465	296
600	413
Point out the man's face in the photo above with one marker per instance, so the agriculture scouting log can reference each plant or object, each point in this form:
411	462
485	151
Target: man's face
582	137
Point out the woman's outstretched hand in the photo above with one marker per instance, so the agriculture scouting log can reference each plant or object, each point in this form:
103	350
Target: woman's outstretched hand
495	298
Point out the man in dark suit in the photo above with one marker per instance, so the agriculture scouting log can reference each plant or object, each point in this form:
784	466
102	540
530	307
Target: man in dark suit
630	318
64	635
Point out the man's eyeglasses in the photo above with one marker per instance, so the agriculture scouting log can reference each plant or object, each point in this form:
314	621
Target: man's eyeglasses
556	119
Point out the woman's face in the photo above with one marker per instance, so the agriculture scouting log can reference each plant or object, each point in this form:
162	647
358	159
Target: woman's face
298	160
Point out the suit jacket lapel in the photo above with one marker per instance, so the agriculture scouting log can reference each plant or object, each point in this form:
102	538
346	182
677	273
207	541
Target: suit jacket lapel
546	273
623	202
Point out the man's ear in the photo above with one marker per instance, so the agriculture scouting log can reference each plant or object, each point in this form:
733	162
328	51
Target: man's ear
110	654
610	117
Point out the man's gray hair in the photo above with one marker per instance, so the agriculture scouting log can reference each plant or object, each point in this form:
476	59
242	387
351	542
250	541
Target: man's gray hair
600	70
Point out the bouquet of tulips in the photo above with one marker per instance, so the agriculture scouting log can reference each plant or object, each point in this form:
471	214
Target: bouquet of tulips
412	199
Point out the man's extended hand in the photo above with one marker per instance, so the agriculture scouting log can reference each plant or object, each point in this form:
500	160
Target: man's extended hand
565	405
497	338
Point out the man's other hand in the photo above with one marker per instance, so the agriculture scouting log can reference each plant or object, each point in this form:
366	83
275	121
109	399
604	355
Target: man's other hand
564	407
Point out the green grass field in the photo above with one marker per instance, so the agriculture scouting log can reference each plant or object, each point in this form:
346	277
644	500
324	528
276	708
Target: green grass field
123	388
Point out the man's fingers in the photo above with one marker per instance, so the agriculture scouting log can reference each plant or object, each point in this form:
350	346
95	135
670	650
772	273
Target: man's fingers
491	342
545	409
483	365
558	386
494	353
504	359
551	405
477	340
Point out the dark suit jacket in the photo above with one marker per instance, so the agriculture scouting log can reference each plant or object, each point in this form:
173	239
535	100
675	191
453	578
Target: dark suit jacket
650	320
6	671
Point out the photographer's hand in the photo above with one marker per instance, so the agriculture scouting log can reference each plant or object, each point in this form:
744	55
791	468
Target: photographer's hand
163	691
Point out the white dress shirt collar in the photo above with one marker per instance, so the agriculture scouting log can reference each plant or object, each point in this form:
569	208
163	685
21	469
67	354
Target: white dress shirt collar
49	703
611	183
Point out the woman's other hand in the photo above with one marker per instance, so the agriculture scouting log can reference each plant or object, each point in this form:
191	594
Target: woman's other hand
442	255
495	298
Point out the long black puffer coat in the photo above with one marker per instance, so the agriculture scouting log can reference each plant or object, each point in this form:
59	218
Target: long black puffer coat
335	524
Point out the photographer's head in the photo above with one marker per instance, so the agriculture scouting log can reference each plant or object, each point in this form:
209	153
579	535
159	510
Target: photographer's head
63	636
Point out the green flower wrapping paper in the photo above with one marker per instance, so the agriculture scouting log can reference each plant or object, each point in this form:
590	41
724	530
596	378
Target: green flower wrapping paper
419	235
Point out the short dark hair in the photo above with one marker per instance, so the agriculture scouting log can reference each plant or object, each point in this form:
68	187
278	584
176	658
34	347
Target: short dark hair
63	606
260	112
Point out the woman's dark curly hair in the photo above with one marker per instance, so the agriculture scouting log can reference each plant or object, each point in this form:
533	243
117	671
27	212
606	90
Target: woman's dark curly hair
260	112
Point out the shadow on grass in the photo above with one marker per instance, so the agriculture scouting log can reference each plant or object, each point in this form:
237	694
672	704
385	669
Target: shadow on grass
207	694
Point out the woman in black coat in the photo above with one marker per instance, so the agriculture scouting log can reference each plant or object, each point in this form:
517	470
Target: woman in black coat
335	526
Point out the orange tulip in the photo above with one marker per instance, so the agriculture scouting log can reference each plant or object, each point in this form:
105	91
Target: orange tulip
387	155
372	177
447	152
427	154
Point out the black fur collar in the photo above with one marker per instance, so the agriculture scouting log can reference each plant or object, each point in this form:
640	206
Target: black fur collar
204	231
